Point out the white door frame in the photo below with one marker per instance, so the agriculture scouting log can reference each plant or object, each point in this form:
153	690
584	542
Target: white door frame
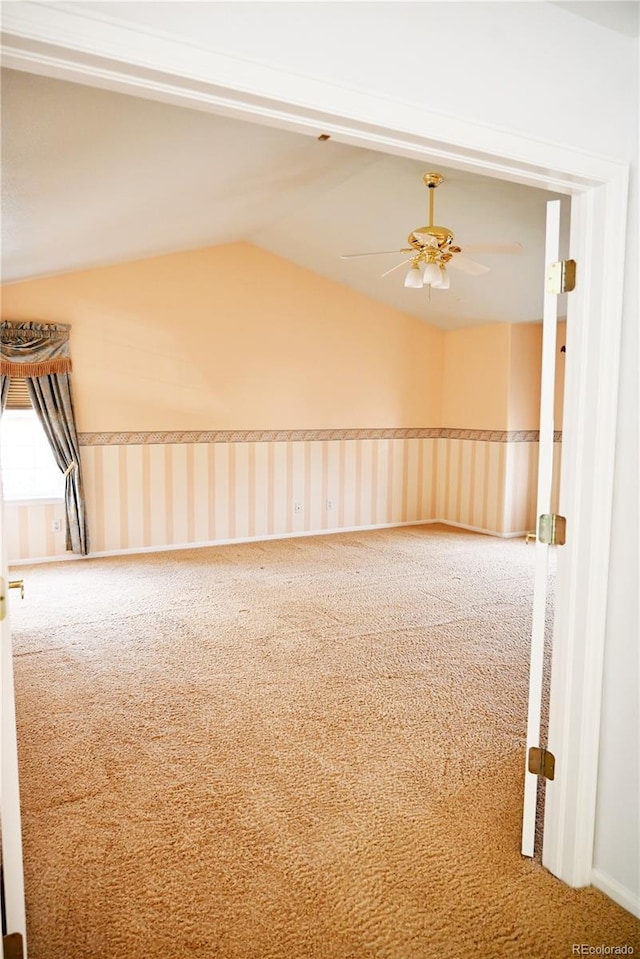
10	817
543	505
73	44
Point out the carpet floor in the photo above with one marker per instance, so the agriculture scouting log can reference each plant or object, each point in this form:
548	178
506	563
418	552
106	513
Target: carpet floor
299	749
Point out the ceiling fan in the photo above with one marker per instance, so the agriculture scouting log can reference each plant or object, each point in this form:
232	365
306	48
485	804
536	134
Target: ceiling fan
433	249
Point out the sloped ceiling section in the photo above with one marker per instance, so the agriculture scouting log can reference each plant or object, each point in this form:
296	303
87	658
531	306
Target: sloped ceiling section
92	177
624	16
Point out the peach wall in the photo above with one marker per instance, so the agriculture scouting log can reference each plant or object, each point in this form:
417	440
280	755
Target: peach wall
525	367
233	337
525	373
560	365
491	377
206	349
476	378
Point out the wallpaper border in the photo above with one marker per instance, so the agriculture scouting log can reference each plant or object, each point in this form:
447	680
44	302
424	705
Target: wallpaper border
293	436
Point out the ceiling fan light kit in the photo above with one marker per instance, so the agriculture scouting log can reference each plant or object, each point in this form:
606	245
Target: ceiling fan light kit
444	282
431	273
414	279
433	249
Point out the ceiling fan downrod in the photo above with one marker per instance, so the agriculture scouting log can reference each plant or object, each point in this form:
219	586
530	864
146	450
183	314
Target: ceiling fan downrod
432	180
438	238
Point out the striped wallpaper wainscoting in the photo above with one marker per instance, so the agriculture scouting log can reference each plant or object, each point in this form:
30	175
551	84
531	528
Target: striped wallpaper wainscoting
151	490
28	529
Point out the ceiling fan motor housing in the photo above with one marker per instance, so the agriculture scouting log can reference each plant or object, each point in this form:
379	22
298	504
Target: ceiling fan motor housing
434	237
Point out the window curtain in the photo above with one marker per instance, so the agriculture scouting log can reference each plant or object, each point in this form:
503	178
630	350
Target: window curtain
39	352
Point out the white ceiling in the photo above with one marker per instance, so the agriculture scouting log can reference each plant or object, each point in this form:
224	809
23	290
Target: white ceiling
91	177
620	15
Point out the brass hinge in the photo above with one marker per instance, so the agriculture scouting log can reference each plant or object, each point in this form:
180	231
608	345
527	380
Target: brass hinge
542	762
12	946
552	529
17	584
561	276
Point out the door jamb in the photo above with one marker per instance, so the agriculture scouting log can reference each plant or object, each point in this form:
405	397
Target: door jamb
74	45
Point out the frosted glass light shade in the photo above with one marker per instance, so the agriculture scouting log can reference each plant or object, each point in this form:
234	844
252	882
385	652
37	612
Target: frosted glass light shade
431	274
444	281
414	278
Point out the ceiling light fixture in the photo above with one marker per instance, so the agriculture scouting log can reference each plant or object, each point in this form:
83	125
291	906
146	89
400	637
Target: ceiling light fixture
444	281
431	273
414	278
426	271
433	249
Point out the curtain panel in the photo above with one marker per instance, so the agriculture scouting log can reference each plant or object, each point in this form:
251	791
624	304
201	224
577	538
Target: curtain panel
39	352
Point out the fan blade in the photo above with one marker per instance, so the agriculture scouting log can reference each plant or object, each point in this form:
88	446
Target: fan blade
501	248
351	256
397	267
466	265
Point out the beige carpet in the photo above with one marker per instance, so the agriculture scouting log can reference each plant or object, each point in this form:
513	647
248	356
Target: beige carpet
304	748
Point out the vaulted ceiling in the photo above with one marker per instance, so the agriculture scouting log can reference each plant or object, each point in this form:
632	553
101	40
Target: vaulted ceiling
92	177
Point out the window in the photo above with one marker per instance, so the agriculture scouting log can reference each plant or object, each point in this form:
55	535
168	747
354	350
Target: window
29	470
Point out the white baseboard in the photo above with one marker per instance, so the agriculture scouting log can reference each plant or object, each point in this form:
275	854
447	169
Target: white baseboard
38	560
139	550
614	890
478	529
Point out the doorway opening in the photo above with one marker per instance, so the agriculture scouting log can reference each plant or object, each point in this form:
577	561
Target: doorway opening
588	419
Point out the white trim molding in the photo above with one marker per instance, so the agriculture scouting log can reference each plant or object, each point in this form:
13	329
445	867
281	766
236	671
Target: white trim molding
63	40
71	42
205	544
616	891
140	550
593	347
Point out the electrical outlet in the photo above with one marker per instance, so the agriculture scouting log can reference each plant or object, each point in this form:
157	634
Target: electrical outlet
297	507
56	526
329	503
